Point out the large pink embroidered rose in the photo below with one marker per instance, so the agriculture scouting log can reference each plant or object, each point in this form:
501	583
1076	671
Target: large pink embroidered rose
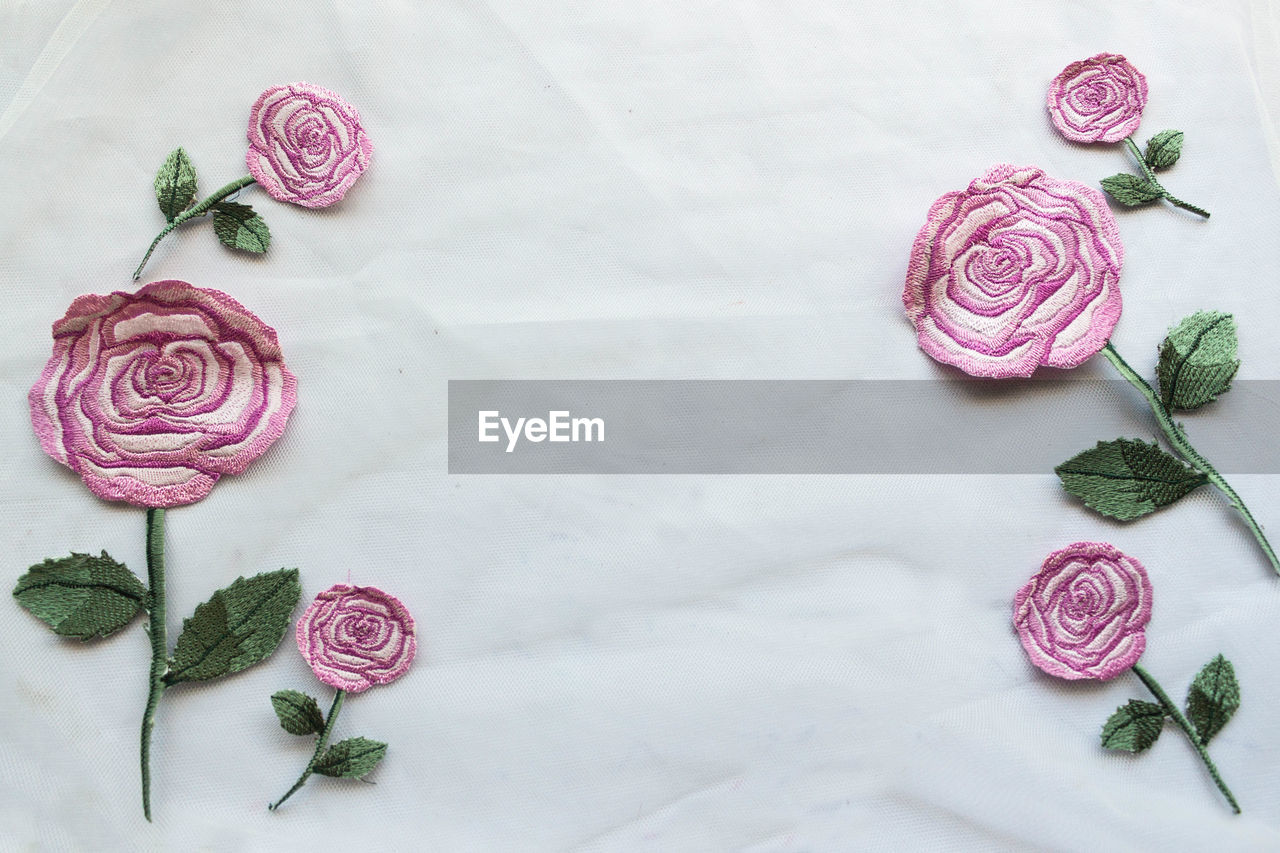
1099	99
152	396
357	636
1083	614
1016	271
306	145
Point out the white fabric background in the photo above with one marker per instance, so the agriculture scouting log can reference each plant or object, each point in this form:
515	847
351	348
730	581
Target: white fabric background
669	189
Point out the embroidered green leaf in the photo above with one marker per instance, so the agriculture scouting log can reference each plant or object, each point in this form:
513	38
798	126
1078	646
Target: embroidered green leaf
82	595
1213	698
236	628
351	758
1198	360
175	184
1164	149
1133	727
1127	478
299	714
1131	190
240	227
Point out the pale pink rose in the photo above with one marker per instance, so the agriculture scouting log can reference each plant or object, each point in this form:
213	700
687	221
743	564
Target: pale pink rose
152	396
357	636
1016	271
306	145
1083	615
1099	99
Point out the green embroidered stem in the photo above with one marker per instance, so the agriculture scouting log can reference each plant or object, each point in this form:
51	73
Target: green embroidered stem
320	745
1151	176
155	604
1172	710
192	212
1180	442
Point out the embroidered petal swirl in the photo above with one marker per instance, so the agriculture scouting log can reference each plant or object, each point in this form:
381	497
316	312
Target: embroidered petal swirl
1016	271
357	636
152	396
1083	614
306	145
1099	99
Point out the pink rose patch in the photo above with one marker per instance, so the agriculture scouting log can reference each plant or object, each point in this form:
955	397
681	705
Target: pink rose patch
1083	615
152	396
1099	99
357	636
306	145
1017	271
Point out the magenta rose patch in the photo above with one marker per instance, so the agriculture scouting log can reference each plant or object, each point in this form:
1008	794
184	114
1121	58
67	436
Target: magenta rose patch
306	147
151	397
1016	271
1083	616
354	638
1101	99
1021	270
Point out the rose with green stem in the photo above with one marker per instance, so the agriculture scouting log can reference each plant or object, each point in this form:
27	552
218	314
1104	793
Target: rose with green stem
1021	270
354	638
1083	616
306	147
151	397
1100	99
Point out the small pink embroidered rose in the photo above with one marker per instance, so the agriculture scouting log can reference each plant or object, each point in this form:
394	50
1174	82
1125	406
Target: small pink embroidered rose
1099	99
306	145
152	396
1017	271
357	636
1083	614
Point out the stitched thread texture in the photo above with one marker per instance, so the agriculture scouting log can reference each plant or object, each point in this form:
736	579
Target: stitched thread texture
1083	615
306	144
356	637
1017	271
151	397
1100	99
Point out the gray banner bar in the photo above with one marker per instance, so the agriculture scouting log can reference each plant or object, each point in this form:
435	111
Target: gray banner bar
830	427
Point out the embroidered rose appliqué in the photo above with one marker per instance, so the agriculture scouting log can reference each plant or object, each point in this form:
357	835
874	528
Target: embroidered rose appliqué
354	637
152	396
306	144
1083	614
306	147
1099	99
1017	271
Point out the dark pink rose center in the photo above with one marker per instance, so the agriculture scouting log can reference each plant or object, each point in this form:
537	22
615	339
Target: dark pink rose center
312	135
1001	265
997	268
1084	599
1097	95
365	630
168	376
165	374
